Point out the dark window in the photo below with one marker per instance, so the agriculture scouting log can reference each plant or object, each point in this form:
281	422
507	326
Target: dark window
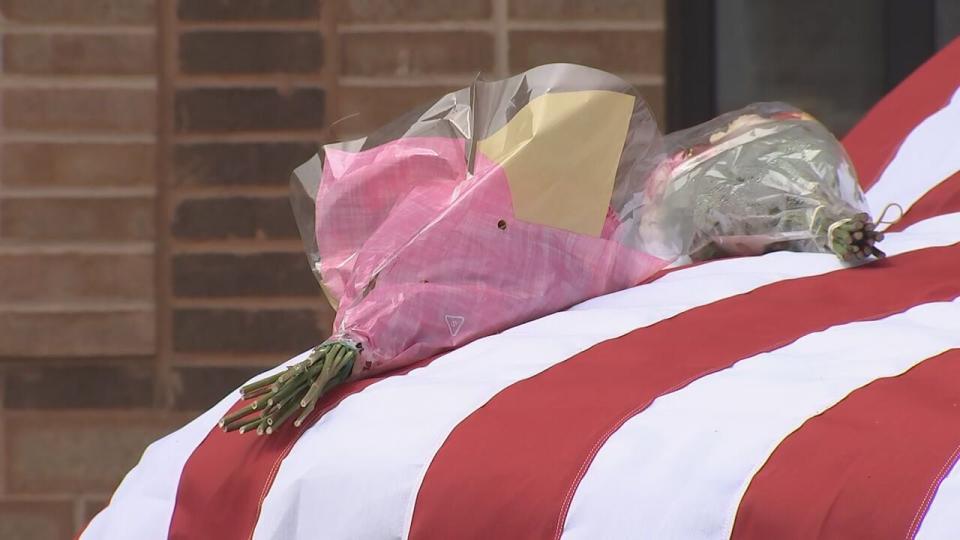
833	59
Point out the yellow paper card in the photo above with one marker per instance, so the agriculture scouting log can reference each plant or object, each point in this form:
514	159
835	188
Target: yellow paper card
560	153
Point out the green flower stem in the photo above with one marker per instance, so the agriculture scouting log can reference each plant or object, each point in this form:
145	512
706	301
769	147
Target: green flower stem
287	388
248	426
294	390
274	423
255	385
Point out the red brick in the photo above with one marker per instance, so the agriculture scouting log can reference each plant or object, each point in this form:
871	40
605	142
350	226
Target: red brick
220	110
53	452
653	94
77	164
97	12
577	10
251	52
66	277
87	110
79	54
414	10
235	217
621	52
247	10
261	275
214	164
42	385
77	219
428	53
284	332
77	333
379	106
35	520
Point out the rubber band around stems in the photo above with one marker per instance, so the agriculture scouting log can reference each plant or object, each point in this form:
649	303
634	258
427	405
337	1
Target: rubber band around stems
833	226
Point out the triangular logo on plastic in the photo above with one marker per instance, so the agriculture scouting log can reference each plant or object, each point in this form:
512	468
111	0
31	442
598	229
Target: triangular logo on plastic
454	323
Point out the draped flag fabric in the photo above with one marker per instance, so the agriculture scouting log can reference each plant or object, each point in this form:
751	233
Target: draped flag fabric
781	396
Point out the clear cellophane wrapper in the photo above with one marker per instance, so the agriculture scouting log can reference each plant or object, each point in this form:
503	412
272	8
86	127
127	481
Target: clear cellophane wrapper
764	178
495	205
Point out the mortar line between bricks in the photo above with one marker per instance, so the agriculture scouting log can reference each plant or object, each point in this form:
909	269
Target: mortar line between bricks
247	302
461	80
266	80
76	248
418	27
21	136
241	359
330	28
86	192
251	136
501	38
78	507
585	26
36	498
498	24
94	416
235	246
3	140
78	82
185	193
61	29
415	82
167	68
78	306
3	430
294	25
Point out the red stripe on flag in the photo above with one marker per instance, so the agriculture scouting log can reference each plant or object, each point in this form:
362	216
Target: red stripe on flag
942	199
510	469
226	478
875	139
867	467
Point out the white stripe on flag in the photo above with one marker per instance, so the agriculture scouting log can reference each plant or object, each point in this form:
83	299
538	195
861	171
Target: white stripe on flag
943	518
143	505
356	473
680	468
931	151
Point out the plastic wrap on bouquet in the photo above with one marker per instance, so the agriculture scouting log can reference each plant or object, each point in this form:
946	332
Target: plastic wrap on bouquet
497	204
764	178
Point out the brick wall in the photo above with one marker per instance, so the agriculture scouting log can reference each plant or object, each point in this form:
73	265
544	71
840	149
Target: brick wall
148	258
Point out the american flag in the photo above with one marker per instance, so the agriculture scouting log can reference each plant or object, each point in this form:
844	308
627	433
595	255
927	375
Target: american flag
774	397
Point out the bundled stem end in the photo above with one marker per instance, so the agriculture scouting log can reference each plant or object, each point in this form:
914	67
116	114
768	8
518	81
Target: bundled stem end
854	239
294	390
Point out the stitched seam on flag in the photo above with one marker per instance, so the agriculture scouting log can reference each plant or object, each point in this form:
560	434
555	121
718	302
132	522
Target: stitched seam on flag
582	471
274	471
928	498
176	495
311	421
275	468
732	512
